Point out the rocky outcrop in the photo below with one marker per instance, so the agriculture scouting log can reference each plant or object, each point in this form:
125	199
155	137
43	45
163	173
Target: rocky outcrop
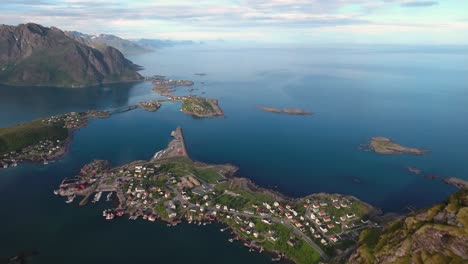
33	55
435	235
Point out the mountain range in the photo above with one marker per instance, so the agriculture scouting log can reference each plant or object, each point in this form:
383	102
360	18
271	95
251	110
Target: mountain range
33	55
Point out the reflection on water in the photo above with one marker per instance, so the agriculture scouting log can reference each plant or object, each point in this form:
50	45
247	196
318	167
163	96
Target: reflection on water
19	104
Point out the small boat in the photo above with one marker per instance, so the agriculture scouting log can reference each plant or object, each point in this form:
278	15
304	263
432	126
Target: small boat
56	192
231	240
46	162
204	223
108	198
71	198
97	197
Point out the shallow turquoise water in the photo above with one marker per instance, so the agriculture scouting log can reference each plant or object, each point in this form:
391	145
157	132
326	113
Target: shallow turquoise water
416	98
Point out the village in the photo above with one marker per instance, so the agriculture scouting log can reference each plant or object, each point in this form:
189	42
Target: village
173	188
56	131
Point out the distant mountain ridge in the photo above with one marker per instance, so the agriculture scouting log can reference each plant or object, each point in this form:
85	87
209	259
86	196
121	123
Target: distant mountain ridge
103	40
125	46
33	55
160	43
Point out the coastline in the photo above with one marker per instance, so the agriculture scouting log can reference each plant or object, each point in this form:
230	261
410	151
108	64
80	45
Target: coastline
118	178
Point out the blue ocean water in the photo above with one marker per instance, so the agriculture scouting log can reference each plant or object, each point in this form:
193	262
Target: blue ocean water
416	96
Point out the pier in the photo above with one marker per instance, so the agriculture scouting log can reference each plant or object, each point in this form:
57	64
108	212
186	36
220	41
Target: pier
176	147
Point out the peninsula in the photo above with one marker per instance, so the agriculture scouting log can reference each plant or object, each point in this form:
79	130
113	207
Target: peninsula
385	146
292	111
41	140
173	188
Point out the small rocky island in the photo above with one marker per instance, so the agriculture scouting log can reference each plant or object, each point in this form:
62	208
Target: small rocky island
199	106
151	106
291	111
173	188
385	146
165	87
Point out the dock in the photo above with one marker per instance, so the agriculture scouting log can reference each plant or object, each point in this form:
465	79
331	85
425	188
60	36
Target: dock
85	200
176	147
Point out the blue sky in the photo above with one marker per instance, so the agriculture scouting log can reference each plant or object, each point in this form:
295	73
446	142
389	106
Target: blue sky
289	21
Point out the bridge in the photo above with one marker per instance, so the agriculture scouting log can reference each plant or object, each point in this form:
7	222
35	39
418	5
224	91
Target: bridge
121	109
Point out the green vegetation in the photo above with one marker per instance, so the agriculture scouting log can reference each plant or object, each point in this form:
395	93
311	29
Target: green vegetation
201	107
434	235
299	253
16	137
58	60
209	175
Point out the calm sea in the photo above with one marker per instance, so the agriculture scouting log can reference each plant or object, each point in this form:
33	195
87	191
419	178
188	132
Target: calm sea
415	95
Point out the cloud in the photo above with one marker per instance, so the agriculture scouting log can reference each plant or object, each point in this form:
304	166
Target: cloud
209	19
419	4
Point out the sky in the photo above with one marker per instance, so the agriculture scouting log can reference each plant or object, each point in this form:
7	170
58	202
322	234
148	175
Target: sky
276	21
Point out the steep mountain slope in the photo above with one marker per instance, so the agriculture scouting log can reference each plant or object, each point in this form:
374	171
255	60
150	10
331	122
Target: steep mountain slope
435	235
33	55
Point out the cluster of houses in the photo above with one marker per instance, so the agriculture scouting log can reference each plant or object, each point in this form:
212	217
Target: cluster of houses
170	82
71	120
40	152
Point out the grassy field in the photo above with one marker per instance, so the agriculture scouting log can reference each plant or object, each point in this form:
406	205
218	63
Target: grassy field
208	175
16	137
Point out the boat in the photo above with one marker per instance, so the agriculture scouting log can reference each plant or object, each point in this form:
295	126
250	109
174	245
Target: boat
46	162
231	240
97	197
108	198
56	192
71	198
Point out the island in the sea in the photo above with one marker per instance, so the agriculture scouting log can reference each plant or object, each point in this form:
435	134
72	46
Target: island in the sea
385	146
151	106
198	106
172	187
289	111
164	86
